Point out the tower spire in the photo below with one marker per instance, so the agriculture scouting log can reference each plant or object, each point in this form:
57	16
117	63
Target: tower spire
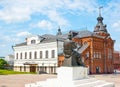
100	11
59	31
100	27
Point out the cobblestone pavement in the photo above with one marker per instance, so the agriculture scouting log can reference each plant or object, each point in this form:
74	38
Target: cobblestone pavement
21	80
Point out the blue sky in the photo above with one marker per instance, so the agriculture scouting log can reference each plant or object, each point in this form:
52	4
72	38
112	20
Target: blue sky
20	18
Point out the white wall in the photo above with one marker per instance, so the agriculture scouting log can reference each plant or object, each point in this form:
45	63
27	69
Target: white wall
36	47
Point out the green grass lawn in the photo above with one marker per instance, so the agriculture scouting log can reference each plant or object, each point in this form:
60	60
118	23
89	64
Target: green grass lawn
7	72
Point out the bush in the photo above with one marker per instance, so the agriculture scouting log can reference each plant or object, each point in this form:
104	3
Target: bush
3	64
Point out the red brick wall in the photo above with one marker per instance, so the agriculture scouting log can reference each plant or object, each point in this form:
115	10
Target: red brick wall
116	59
101	46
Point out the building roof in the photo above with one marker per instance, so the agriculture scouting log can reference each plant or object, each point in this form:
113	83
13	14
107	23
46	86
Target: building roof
46	38
21	44
86	33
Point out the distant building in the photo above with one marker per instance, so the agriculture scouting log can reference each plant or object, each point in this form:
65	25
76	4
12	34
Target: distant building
10	59
117	60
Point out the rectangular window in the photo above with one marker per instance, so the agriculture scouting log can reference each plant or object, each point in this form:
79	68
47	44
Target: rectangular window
30	55
20	55
25	55
46	54
41	54
109	53
97	54
53	53
35	55
16	55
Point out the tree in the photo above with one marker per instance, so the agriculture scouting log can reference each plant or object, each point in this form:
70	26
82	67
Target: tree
3	63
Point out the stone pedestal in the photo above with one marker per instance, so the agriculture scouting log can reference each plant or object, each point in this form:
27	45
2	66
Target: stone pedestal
72	73
71	77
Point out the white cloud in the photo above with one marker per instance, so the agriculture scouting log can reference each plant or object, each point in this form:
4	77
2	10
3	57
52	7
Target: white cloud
24	33
2	45
14	14
81	5
116	26
57	18
44	24
19	11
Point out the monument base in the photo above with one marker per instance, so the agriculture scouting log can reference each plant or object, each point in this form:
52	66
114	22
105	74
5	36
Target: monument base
71	77
72	73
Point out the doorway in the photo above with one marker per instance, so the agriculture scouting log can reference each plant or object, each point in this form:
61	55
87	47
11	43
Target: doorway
32	68
97	69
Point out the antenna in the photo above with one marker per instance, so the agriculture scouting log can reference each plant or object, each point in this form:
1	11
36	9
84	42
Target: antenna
100	10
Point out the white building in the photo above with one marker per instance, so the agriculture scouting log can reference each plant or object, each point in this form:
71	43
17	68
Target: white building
10	59
37	54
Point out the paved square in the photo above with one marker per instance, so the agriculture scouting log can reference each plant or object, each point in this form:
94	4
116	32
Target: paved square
22	79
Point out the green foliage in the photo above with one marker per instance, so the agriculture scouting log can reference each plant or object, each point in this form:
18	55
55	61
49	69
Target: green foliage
3	63
7	72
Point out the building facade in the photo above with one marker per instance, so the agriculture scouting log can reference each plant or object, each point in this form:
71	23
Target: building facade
37	54
97	48
45	53
117	60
